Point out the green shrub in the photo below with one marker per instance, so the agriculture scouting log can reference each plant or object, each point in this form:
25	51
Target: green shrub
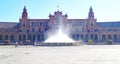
27	42
7	42
90	42
109	42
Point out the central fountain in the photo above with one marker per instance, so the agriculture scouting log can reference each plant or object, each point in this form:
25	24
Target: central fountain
59	38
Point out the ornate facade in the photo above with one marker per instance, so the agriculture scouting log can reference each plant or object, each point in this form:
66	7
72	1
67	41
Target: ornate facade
38	29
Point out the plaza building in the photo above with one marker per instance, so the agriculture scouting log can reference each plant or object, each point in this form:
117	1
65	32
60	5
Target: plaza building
77	29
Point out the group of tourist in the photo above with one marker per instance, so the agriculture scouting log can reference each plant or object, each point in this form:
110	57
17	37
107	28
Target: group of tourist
16	44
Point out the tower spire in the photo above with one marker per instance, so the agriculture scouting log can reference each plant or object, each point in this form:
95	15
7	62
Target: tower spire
24	13
24	10
91	13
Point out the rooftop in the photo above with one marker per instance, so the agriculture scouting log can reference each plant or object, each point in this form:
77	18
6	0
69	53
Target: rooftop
9	25
109	24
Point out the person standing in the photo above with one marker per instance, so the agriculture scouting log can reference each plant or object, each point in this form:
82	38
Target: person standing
16	43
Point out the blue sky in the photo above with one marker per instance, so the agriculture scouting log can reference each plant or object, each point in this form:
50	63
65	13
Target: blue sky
104	10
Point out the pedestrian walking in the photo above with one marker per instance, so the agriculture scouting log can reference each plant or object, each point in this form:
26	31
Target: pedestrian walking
16	43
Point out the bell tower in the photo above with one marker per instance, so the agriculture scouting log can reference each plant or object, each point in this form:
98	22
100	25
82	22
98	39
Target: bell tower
23	20
91	25
91	13
24	13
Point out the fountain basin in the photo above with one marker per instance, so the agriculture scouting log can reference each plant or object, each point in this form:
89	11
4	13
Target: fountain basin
56	44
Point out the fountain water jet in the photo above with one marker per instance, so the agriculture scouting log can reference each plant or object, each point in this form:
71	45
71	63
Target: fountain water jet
59	37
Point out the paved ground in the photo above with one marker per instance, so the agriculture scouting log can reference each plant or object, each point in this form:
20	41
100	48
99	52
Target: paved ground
85	54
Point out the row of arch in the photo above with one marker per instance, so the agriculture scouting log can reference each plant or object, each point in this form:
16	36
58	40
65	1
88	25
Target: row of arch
22	38
31	37
41	37
96	37
114	37
7	37
85	37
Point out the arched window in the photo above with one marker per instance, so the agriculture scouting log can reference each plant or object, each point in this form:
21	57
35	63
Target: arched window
115	37
109	37
92	24
0	37
20	38
42	37
103	37
82	37
38	37
73	36
12	37
34	38
86	37
77	36
39	29
29	37
45	29
24	37
91	36
6	37
33	30
96	37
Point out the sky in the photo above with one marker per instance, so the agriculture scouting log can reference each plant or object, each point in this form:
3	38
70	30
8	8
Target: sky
104	10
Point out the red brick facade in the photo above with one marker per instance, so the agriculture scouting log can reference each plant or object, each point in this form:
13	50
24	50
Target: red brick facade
38	29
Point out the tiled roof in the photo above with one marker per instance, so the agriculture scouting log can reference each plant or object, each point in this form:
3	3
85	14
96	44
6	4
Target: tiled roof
36	19
9	25
108	24
77	19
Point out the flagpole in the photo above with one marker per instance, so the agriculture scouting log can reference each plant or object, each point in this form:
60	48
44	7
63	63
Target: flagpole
57	7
